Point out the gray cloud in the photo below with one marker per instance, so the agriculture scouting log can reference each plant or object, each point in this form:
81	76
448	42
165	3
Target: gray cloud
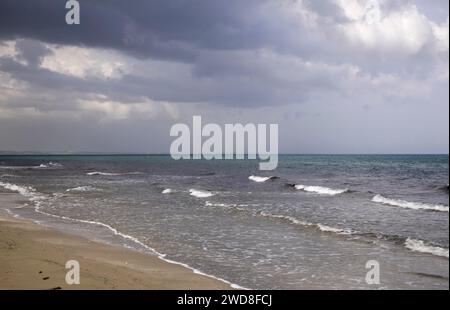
285	56
32	52
181	30
162	29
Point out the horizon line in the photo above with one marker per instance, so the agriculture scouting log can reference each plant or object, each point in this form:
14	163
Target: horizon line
37	153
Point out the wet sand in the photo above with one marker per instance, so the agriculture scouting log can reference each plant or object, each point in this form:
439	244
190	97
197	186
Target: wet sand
34	257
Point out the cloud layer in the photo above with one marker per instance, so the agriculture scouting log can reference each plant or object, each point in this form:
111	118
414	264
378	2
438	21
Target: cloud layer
340	73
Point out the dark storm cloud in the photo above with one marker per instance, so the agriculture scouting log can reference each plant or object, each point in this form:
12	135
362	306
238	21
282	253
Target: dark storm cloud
159	28
180	30
176	30
104	24
266	57
221	41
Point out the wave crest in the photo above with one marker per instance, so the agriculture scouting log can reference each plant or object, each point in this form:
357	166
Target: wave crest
321	190
409	205
200	193
420	246
259	179
31	193
50	165
111	173
290	219
26	191
81	189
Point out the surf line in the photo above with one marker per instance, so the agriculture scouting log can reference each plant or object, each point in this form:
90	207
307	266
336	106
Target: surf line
229	143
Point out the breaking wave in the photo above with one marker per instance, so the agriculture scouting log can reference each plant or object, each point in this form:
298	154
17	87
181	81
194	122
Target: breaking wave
25	191
409	243
200	193
319	226
32	195
291	219
420	246
81	189
110	173
258	179
321	190
50	165
409	205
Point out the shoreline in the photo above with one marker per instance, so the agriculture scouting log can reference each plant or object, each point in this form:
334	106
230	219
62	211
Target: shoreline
34	257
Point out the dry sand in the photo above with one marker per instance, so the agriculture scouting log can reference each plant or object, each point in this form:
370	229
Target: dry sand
34	257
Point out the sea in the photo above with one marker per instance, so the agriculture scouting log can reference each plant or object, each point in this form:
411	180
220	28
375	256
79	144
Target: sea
316	222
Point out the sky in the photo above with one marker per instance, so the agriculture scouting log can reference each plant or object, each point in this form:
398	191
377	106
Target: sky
342	76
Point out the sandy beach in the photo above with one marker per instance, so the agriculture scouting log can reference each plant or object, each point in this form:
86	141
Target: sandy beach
34	257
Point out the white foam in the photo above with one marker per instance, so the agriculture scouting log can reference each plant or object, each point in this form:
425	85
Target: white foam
409	205
213	204
293	220
138	242
258	179
319	226
167	191
200	194
286	217
26	191
334	230
420	246
12	213
49	165
101	173
240	207
31	194
320	190
81	189
110	173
